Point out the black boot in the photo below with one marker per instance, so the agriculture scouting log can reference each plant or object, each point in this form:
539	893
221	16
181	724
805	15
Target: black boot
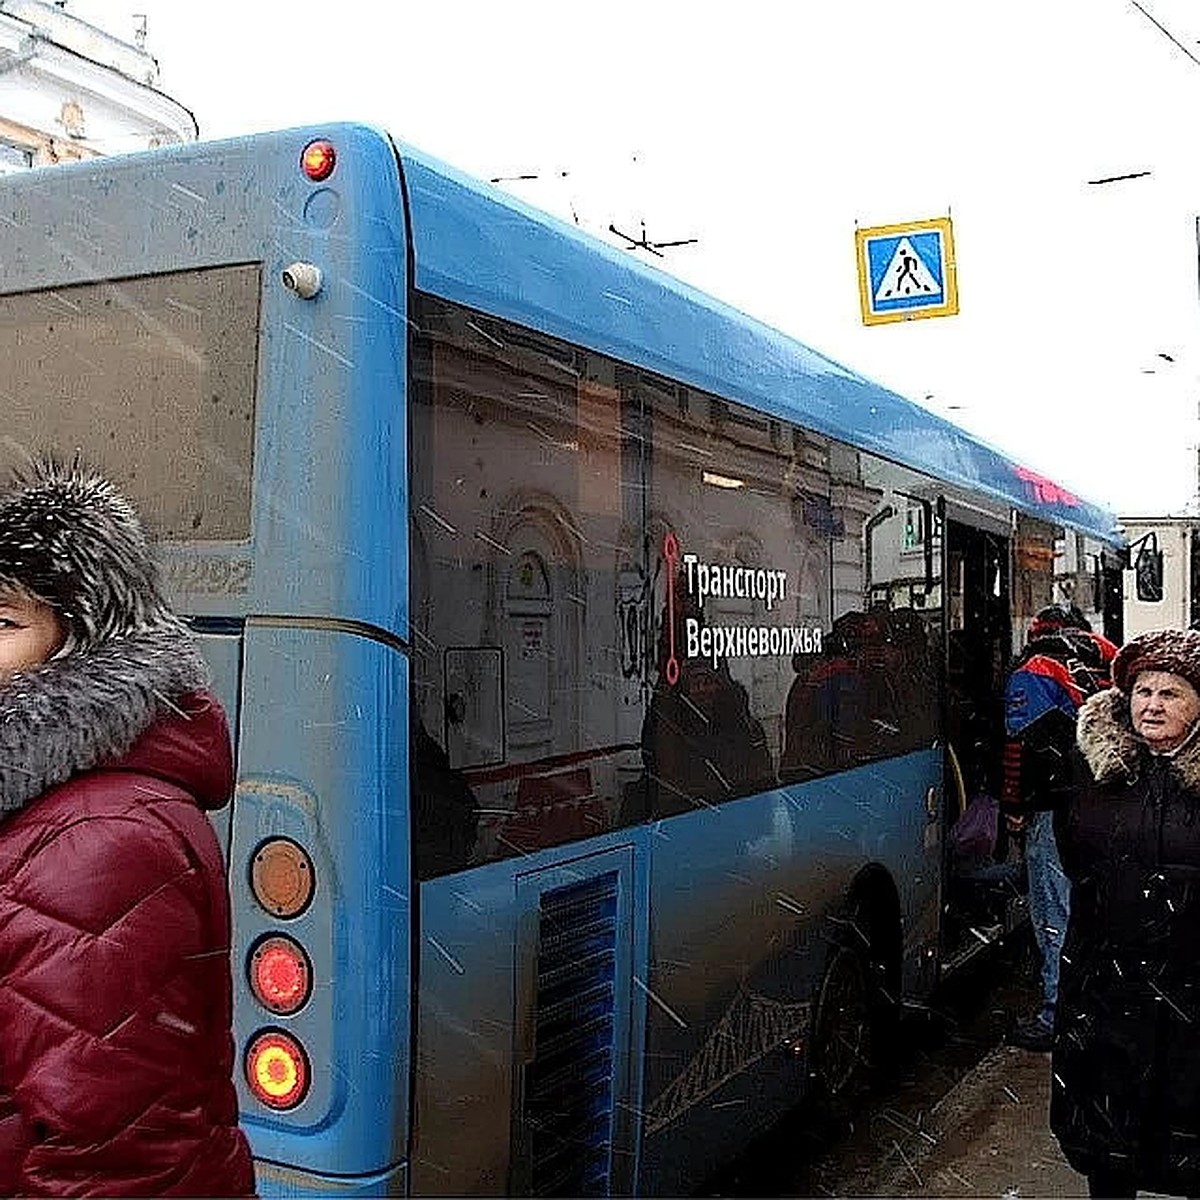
1111	1183
1033	1034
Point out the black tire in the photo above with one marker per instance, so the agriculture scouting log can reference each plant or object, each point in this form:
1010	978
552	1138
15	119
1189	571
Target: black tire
842	1034
884	1001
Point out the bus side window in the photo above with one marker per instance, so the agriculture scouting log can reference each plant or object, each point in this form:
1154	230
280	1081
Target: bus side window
526	500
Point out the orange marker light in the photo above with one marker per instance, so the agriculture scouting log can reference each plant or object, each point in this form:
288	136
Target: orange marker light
280	974
318	160
277	1069
281	876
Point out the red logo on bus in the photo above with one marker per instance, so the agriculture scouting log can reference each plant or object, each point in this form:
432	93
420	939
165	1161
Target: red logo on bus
1045	490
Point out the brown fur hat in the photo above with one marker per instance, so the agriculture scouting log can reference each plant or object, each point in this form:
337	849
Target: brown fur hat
1173	650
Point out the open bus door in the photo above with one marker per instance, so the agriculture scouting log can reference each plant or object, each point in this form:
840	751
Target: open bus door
1111	578
977	599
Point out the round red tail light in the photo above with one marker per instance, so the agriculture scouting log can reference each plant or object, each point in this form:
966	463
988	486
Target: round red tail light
277	1069
280	976
318	160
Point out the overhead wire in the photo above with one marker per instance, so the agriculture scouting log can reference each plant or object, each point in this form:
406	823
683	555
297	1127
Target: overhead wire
1164	31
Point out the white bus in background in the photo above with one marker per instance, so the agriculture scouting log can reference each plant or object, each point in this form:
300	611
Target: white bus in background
1160	590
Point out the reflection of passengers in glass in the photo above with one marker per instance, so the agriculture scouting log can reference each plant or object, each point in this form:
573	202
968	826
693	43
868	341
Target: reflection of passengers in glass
700	742
870	694
907	661
826	708
447	816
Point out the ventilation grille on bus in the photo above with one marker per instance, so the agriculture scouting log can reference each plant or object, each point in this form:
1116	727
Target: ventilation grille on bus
569	1084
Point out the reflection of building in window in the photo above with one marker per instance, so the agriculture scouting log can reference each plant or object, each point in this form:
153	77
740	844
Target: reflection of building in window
914	527
474	712
529	644
900	544
549	481
14	158
1077	575
1034	564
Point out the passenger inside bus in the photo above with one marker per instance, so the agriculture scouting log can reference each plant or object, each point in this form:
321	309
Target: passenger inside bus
700	741
828	710
867	696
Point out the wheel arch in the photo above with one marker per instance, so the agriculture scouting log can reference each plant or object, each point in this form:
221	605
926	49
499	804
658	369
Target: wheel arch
872	914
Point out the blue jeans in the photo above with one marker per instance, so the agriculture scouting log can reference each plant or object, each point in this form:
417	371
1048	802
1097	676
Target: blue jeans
1049	903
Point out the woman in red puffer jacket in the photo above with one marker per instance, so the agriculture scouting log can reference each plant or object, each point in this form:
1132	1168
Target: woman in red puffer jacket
115	991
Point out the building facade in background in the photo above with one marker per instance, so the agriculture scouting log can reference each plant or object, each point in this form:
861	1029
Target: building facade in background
69	91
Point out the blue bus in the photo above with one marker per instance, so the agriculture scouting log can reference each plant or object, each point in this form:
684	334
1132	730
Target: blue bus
607	669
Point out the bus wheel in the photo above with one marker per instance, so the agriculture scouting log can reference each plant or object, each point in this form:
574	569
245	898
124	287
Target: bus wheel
840	1046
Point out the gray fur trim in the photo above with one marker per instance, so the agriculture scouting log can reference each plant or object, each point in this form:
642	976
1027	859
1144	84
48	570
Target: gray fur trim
1114	752
69	537
77	712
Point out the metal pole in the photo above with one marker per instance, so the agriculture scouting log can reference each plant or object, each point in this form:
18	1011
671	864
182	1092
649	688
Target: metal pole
1197	500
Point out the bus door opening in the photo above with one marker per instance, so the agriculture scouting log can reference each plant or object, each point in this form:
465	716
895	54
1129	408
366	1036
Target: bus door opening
978	640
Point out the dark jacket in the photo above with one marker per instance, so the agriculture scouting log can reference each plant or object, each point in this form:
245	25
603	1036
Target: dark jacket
701	744
1047	684
116	1052
1126	1065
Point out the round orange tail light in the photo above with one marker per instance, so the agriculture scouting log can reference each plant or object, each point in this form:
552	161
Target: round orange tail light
280	976
281	876
318	160
277	1069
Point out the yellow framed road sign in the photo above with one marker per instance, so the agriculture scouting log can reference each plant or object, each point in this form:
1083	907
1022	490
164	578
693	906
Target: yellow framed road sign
906	272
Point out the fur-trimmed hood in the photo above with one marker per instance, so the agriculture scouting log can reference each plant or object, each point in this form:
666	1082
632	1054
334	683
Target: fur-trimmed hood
1115	753
85	710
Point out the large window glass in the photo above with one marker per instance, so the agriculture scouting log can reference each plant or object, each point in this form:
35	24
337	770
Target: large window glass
802	604
529	590
740	525
886	643
632	599
154	378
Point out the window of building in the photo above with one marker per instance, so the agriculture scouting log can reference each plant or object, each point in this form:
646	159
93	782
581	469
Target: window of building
14	158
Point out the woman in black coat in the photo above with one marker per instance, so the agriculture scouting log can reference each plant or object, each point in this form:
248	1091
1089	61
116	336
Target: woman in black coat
1125	1100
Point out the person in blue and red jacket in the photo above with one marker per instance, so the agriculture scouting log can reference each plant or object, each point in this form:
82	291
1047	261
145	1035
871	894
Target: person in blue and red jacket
116	1051
1063	664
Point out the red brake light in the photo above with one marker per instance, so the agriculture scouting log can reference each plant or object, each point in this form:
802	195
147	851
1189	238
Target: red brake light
277	1069
318	160
280	976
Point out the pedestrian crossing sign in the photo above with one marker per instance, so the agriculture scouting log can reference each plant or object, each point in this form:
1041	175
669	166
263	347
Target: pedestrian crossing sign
906	271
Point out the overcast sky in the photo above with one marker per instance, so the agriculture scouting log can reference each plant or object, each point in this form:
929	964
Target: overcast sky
768	130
